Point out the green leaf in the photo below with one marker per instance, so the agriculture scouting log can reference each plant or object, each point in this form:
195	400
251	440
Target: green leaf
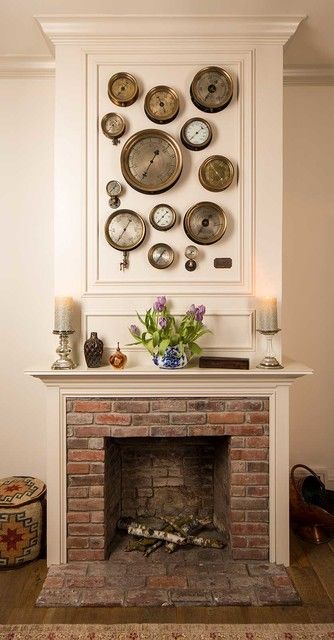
163	346
194	349
156	338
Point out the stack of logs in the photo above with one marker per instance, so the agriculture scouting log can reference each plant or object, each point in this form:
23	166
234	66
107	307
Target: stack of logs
172	533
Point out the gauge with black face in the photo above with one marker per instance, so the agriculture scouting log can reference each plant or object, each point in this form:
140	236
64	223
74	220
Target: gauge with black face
205	223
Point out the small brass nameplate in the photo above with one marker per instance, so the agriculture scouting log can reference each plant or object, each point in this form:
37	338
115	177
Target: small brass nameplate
222	263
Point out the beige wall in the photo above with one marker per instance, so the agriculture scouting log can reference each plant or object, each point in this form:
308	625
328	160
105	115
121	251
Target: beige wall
26	289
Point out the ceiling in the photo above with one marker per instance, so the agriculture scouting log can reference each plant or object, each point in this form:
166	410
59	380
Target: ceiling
313	44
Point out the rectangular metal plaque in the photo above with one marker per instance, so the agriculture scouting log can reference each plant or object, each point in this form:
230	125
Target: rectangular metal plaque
222	263
215	362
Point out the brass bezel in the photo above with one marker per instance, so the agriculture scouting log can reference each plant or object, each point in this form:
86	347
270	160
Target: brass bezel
131	142
190	145
154	224
205	183
106	133
119	188
196	98
151	251
115	99
192	211
162	119
121	212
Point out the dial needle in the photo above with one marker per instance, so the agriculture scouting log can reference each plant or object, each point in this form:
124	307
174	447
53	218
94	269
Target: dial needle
161	254
156	153
196	133
124	230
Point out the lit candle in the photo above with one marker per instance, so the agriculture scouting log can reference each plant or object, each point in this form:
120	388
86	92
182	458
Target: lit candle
63	313
267	316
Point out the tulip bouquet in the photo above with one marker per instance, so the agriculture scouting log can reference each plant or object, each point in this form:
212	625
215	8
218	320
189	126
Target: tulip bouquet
162	332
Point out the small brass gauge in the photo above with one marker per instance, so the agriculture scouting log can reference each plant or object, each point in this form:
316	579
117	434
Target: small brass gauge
211	89
125	230
196	134
123	89
162	217
191	252
191	265
205	223
161	256
161	104
113	126
113	188
216	173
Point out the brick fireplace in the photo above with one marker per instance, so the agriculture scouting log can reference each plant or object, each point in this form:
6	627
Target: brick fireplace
156	456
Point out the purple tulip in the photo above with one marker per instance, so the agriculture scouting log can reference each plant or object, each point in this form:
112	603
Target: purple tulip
160	303
135	330
162	323
192	310
199	313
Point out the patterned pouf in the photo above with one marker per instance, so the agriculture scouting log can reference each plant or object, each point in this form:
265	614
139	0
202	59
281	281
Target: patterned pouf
21	519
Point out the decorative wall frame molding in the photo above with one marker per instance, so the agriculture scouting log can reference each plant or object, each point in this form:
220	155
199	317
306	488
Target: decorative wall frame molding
22	66
314	75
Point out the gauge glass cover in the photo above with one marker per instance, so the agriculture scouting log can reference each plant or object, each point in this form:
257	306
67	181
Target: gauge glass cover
123	89
162	217
196	134
161	104
125	230
191	252
216	173
113	188
113	125
205	223
211	89
161	256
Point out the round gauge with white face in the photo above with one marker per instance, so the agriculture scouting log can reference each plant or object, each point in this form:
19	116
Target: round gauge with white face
125	230
211	89
113	188
123	89
113	126
162	217
161	104
161	256
196	134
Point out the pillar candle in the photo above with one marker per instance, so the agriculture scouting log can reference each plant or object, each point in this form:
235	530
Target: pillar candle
63	313
267	315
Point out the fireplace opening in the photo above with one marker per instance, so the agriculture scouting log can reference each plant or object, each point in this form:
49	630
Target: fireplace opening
159	478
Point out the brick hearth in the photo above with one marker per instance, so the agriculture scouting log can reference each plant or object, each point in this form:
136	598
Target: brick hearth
98	466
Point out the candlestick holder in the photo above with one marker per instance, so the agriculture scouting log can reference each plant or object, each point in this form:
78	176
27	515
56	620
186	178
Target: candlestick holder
269	361
64	349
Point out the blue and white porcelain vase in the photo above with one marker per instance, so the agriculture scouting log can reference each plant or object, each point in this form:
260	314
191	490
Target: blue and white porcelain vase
171	359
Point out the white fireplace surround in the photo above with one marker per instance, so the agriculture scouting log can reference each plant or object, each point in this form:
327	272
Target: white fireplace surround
189	382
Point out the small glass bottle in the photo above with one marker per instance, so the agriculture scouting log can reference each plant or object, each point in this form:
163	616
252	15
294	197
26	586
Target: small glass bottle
118	359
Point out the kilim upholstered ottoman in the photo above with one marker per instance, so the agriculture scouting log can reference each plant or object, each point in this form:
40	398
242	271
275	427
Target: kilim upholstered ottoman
21	519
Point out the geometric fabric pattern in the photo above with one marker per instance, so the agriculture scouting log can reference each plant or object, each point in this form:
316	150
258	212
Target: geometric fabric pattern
20	524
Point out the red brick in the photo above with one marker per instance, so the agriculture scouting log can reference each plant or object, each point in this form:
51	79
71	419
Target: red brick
237	491
169	404
77	443
96	492
237	516
266	404
113	418
238	466
257	516
258	417
239	542
188	418
77	492
78	516
79	418
93	406
249	478
251	504
237	442
97	516
81	455
89	504
85	555
148	419
92	432
97	468
249	454
243	430
130	432
85	481
257	442
77	543
206	430
168	431
166	582
77	468
131	406
226	417
96	543
258	542
96	443
244	404
249	528
250	554
205	404
258	467
258	492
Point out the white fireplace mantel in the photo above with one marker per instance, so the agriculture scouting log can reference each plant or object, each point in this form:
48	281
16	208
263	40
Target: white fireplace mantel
189	382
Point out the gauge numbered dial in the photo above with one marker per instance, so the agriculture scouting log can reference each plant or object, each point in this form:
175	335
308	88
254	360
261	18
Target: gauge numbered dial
211	89
216	173
196	134
125	230
205	223
123	89
151	161
162	217
191	252
113	188
113	126
161	256
161	104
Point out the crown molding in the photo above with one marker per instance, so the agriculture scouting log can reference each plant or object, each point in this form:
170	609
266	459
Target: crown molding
96	30
316	75
21	66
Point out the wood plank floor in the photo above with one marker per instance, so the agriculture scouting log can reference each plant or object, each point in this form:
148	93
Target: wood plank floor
312	571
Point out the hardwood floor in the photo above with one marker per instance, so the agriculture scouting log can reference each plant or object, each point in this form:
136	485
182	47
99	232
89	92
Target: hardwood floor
312	571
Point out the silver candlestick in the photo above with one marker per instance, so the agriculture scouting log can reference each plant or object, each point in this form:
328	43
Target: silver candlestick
269	361
64	349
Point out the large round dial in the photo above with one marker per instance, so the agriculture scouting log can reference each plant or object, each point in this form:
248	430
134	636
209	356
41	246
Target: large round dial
161	104
161	256
205	223
162	217
125	230
211	89
113	125
196	134
151	161
216	173
122	89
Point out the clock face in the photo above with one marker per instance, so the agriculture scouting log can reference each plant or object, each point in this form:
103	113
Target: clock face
196	134
162	217
161	104
122	89
151	161
216	173
205	223
211	89
125	230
